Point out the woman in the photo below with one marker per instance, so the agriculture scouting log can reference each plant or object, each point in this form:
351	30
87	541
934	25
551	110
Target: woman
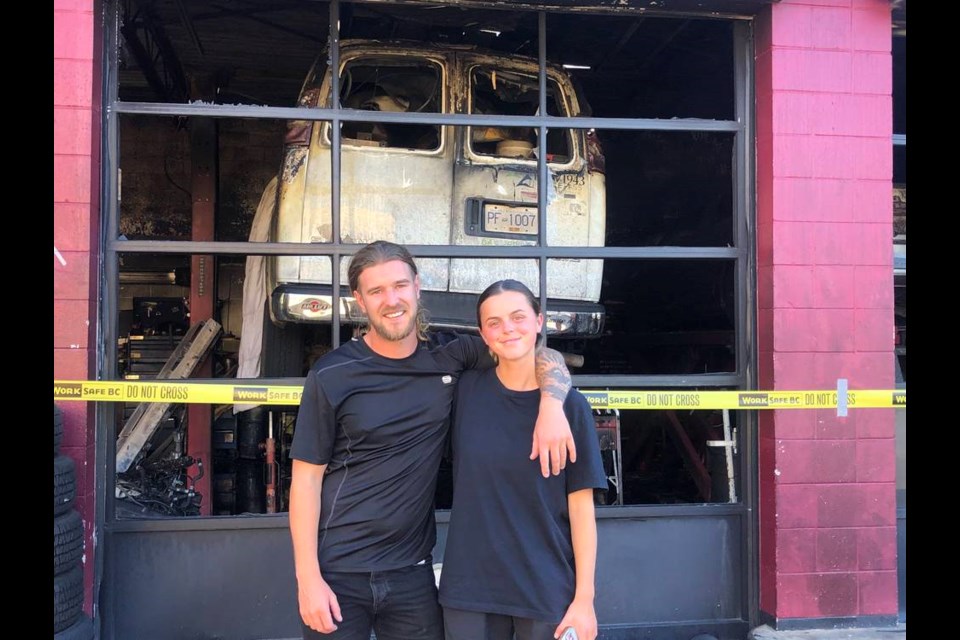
521	548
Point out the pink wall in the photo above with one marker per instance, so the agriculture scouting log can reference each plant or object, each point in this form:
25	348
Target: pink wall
825	297
76	156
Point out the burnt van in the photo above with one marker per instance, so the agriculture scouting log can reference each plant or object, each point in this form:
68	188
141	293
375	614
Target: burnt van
425	184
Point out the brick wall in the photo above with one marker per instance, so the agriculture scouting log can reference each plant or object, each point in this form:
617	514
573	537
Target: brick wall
76	116
824	125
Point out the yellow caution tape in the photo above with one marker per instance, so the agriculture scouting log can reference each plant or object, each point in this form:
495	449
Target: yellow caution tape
631	399
250	393
170	391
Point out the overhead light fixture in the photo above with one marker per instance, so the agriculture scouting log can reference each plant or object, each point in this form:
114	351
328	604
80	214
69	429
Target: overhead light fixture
576	66
493	31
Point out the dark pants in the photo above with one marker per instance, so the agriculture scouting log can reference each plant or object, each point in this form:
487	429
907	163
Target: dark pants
473	625
396	605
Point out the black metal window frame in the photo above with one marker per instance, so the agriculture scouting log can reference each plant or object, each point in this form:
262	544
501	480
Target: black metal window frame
742	253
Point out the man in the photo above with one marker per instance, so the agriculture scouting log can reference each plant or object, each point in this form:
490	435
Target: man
370	434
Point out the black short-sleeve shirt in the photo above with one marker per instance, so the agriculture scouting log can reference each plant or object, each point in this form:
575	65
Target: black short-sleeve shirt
380	424
509	549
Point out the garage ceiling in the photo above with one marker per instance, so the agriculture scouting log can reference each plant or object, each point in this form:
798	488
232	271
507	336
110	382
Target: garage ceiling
258	52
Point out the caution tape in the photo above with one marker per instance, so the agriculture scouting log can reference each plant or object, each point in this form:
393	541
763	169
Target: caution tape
171	392
233	393
860	399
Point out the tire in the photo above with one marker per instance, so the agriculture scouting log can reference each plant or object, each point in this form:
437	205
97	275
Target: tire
82	629
67	598
57	429
64	484
67	541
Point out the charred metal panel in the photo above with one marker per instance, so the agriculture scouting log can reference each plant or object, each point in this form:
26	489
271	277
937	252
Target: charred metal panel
190	584
727	8
662	570
657	577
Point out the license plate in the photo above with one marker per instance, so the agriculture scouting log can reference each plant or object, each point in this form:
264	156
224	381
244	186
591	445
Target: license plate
501	218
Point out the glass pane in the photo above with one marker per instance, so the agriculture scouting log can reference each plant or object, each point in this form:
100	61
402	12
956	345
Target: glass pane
249	154
162	446
165	173
647	67
668	188
403	194
201	50
577	192
507	31
675	457
449	287
414	196
664	317
155	179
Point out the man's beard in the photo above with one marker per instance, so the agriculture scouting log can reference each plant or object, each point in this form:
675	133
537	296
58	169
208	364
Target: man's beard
394	334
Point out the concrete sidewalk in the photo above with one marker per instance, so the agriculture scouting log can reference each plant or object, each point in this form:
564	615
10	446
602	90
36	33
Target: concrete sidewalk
764	632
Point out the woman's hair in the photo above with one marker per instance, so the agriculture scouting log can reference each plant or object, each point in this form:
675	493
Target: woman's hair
379	252
501	286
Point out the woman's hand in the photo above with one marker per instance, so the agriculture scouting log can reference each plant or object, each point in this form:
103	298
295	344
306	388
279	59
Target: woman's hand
581	616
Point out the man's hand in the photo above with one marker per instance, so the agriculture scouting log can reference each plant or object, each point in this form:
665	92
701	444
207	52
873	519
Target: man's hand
552	439
318	603
318	606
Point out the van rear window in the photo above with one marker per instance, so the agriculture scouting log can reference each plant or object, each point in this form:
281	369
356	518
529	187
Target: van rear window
499	92
392	84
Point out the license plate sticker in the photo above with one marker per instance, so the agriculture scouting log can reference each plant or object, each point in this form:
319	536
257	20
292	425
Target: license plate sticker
501	218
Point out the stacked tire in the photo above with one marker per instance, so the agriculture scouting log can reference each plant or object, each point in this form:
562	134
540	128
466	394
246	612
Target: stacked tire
69	621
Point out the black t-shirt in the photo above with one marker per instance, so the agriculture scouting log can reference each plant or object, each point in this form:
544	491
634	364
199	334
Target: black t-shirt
380	424
509	548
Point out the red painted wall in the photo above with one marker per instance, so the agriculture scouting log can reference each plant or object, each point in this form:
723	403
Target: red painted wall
825	297
76	132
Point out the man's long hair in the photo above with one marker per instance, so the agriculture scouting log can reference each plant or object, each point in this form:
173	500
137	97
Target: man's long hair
379	252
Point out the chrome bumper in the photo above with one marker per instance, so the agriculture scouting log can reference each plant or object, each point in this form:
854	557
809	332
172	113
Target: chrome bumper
300	304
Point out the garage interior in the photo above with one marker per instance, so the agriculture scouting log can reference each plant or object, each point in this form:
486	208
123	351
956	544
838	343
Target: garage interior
666	319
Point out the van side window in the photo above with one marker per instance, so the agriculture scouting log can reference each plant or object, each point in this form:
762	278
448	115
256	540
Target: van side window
392	84
495	91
